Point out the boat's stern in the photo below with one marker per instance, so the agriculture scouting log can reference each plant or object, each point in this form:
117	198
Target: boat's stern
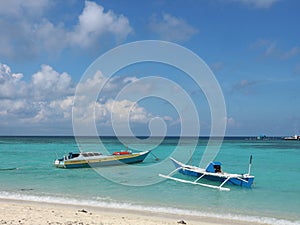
249	181
244	180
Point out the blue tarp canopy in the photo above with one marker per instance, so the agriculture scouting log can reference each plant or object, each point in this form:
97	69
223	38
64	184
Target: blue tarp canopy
214	167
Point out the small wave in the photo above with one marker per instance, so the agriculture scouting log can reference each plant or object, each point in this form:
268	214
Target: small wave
107	203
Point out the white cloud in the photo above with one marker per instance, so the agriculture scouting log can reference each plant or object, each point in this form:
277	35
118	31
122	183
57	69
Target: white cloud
45	97
106	107
244	86
261	4
297	68
94	22
17	8
48	84
43	36
27	32
290	53
217	66
231	122
20	22
270	48
63	107
11	85
171	28
125	110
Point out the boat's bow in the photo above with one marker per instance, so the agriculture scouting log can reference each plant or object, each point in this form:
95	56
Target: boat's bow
59	163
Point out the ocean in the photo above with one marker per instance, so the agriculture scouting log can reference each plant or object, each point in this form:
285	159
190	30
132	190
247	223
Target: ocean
27	172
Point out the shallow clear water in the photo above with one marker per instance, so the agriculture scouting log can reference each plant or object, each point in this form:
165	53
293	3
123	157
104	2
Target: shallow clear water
274	199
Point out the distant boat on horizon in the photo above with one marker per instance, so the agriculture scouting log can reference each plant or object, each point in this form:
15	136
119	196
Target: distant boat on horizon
292	138
262	137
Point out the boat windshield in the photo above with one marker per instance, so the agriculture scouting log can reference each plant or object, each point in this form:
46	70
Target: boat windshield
72	155
89	154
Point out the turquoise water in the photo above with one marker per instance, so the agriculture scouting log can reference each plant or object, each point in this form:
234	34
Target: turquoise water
27	172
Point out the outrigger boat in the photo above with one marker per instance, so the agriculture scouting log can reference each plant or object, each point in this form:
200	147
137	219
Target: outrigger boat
96	159
212	172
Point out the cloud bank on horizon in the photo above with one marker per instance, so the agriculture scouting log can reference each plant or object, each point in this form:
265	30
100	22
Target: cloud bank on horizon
49	97
251	45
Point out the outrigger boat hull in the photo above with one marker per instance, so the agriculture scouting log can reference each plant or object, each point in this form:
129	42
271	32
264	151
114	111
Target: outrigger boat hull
212	172
109	160
245	180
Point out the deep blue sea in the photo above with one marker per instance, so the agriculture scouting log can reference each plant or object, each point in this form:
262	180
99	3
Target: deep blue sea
27	172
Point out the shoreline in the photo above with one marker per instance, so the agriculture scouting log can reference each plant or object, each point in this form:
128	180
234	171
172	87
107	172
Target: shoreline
33	212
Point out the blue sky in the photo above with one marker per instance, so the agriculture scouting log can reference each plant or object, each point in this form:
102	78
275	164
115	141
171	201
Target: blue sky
252	46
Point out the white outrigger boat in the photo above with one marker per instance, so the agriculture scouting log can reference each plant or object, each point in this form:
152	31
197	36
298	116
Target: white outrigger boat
96	159
212	172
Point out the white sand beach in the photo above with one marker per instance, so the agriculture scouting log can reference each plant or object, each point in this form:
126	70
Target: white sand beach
32	213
